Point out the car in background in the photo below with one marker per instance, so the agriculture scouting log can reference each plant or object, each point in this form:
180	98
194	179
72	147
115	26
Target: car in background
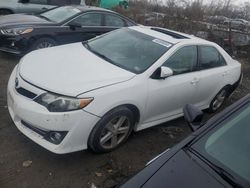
215	155
238	24
33	6
94	94
20	34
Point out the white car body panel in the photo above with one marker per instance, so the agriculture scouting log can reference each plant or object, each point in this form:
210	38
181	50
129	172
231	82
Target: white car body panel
23	109
72	70
85	71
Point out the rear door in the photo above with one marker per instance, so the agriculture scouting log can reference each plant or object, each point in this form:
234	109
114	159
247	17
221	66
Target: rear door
166	97
213	73
112	22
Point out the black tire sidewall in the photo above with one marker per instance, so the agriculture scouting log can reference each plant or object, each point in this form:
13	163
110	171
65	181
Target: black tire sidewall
94	138
210	109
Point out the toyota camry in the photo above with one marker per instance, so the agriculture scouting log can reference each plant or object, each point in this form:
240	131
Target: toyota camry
94	94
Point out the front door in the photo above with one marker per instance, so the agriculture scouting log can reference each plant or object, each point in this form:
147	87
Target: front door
87	26
167	97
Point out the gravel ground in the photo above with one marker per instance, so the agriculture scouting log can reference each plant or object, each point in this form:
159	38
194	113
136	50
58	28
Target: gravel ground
24	164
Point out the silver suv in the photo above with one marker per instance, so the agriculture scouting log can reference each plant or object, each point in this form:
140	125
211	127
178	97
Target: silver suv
32	6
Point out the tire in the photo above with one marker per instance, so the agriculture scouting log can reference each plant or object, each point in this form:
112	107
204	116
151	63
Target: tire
105	136
218	100
43	43
5	12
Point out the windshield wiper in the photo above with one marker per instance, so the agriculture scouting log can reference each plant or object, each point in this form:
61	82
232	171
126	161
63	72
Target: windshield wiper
219	170
86	44
98	54
45	18
226	176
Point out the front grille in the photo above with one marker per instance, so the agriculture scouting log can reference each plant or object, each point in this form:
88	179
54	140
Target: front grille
26	93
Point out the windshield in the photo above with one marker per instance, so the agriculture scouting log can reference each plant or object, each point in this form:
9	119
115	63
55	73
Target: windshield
60	14
129	49
228	145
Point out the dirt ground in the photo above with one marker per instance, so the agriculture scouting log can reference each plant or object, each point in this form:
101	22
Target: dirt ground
82	169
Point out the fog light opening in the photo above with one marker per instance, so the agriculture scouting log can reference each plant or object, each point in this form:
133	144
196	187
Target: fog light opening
56	137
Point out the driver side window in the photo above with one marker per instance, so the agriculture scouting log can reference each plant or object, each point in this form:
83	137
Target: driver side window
183	61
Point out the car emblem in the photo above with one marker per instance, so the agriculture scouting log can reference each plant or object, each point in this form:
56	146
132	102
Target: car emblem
16	82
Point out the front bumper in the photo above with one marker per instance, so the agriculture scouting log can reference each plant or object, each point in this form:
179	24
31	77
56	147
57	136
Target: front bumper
13	44
78	124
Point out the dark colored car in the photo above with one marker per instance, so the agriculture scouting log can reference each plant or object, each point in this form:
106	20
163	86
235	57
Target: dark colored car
215	155
33	6
20	34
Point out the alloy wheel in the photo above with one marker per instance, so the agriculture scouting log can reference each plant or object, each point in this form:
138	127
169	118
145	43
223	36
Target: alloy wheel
219	99
44	45
115	132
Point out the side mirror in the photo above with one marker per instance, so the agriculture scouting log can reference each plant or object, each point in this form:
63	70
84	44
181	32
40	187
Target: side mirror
74	25
162	73
166	72
193	116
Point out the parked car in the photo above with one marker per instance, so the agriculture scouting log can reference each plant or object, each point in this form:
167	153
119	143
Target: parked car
20	34
215	155
237	24
93	94
32	6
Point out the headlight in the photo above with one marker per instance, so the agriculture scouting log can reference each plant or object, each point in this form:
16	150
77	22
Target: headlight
16	31
57	103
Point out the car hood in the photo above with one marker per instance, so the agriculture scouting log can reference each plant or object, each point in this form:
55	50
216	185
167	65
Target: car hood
174	168
21	20
181	171
70	70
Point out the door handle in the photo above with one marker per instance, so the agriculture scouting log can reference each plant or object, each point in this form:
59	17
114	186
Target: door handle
225	73
44	8
194	81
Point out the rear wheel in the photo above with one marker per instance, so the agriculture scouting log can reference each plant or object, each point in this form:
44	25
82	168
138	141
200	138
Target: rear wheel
218	100
112	130
43	43
5	12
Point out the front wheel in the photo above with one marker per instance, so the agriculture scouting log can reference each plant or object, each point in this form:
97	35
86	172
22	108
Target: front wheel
112	130
43	43
218	100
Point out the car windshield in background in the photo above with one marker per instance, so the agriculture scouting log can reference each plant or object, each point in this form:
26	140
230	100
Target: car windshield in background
129	49
60	14
228	145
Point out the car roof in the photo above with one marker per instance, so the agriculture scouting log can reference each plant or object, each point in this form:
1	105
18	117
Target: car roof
83	8
90	8
171	36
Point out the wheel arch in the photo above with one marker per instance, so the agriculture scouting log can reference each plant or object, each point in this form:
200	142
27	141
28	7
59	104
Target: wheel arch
131	107
134	109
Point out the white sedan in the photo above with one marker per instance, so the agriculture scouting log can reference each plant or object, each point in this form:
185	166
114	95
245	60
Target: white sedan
94	94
